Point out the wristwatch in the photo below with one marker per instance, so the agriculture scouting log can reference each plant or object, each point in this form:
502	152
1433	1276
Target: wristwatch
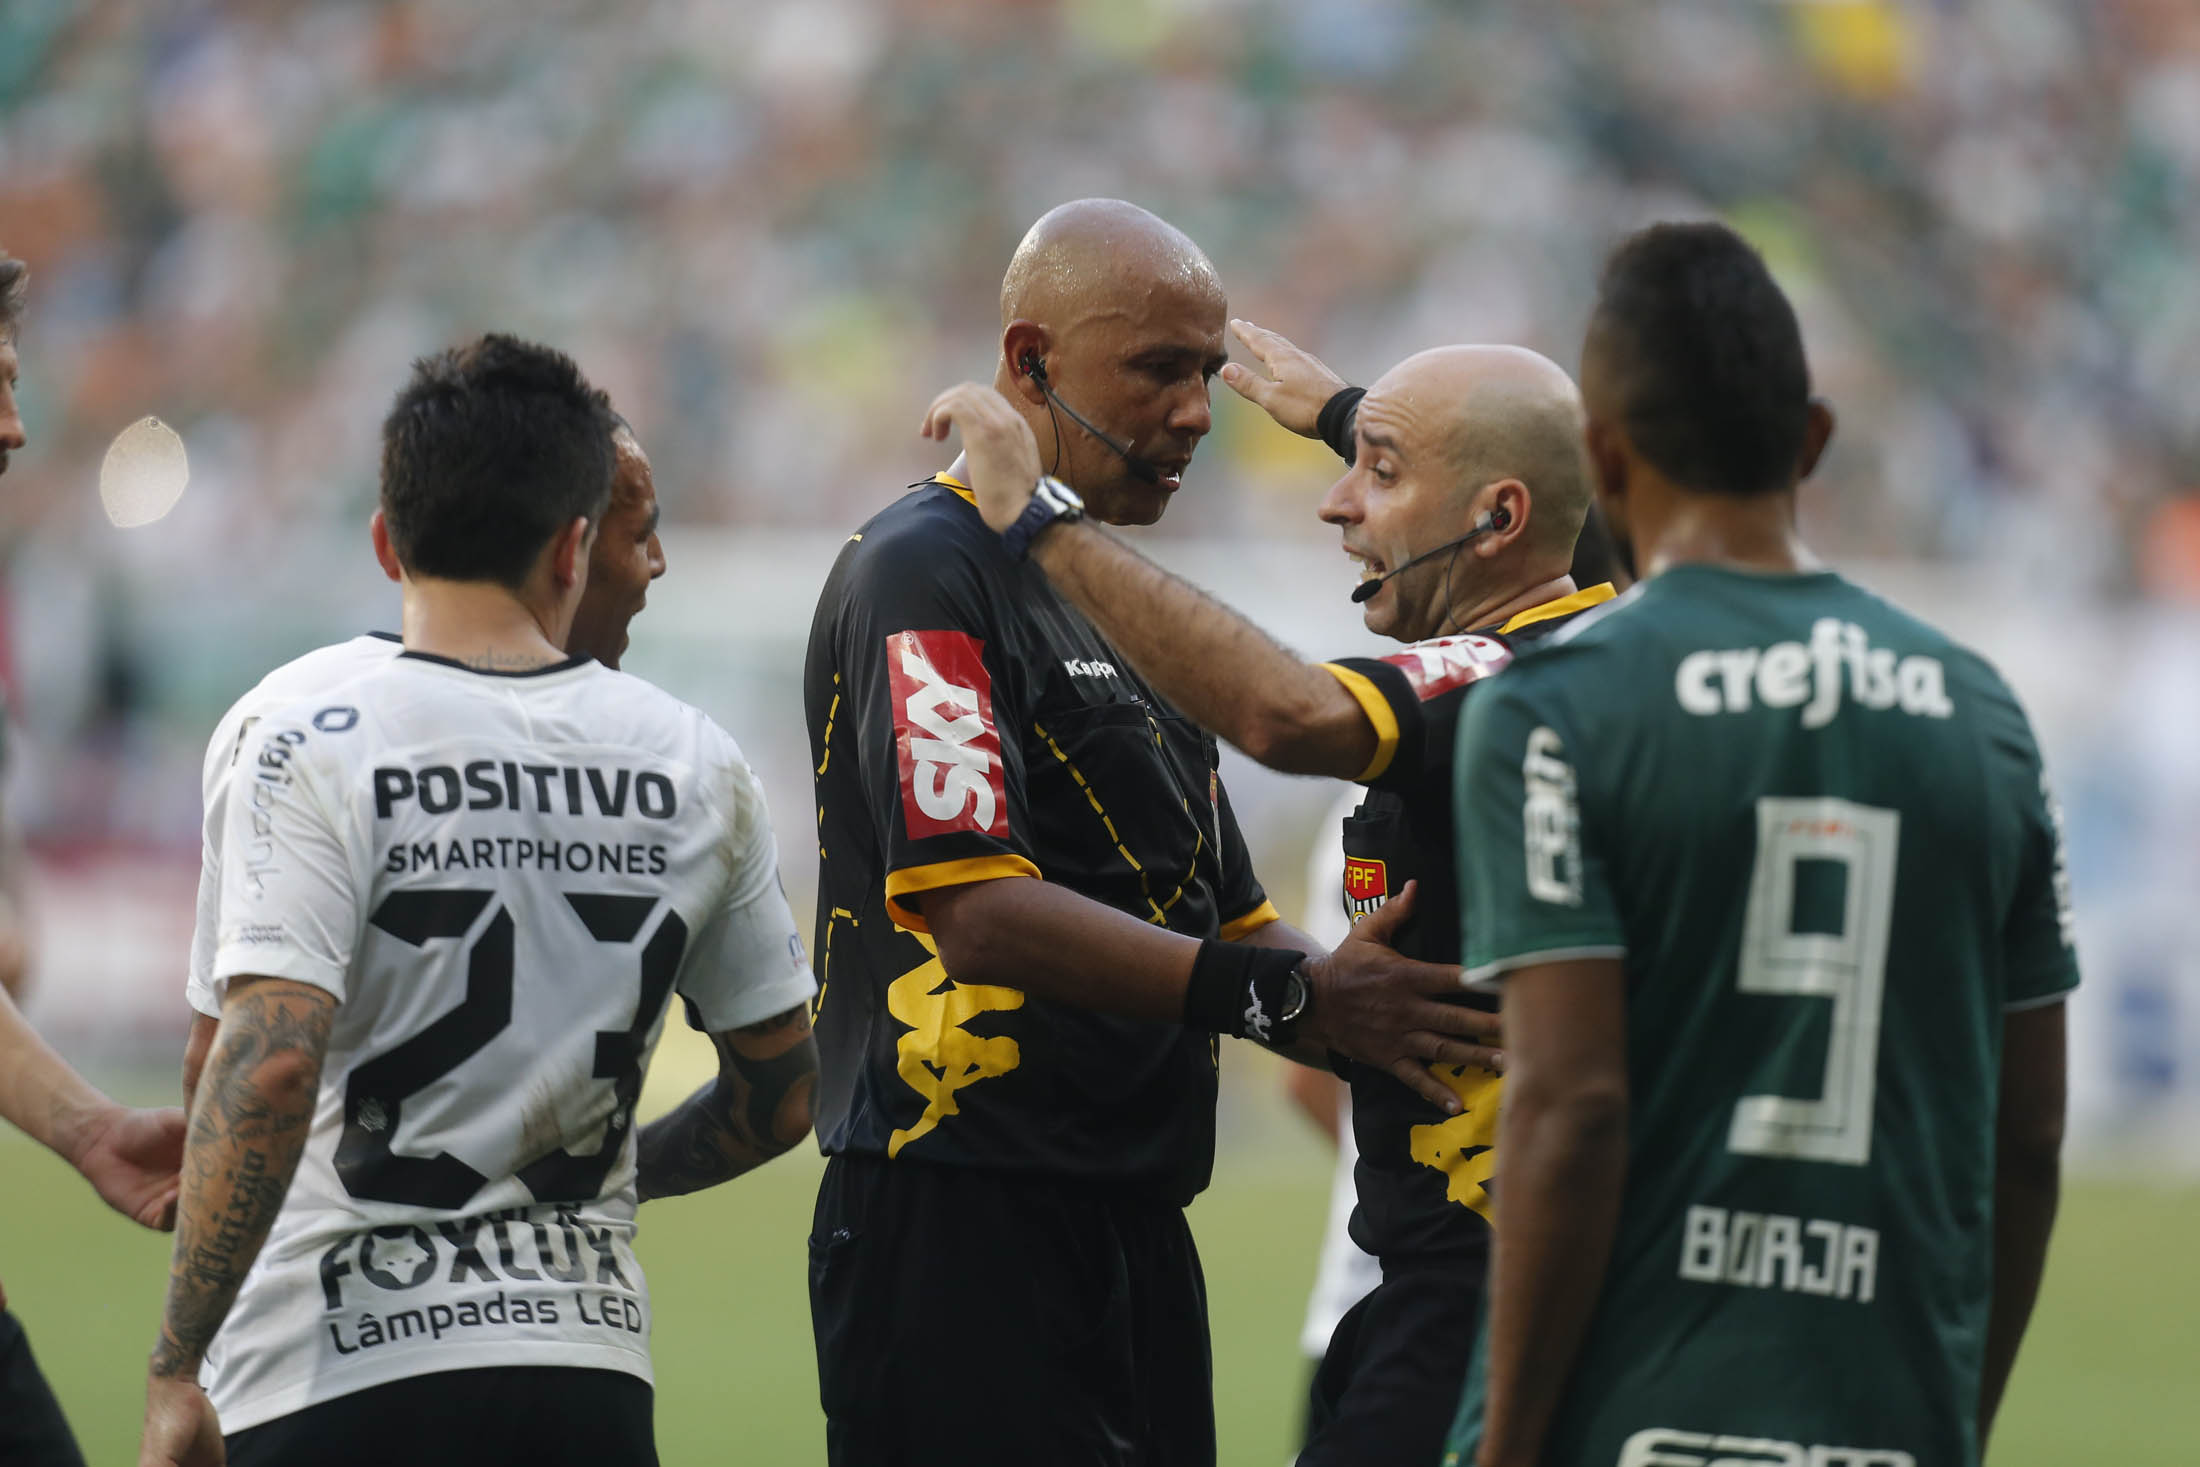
1298	996
1052	502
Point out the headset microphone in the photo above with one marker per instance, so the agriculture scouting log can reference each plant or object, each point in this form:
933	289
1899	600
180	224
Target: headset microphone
1035	368
1495	520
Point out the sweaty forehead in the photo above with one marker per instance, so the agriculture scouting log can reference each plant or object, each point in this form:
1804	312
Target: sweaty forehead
1406	415
1103	262
632	483
1186	310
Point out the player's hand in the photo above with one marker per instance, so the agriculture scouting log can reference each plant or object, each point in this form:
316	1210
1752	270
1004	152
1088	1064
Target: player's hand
131	1158
1298	385
181	1429
1003	454
1381	1009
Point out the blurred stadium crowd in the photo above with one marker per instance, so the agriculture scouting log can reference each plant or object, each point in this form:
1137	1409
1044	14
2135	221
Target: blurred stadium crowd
760	222
773	228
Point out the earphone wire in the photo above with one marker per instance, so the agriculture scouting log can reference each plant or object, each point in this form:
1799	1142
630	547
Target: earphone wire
1035	368
1055	468
1451	612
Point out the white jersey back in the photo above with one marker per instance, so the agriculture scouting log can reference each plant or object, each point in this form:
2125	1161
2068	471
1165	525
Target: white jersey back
300	678
503	880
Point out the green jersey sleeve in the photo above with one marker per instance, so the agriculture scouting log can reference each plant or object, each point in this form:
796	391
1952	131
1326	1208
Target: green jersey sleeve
2039	951
1532	880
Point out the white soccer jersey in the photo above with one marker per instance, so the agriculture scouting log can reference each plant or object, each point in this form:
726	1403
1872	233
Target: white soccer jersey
301	677
503	879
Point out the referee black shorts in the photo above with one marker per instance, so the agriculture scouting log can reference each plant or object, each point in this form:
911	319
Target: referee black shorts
33	1432
983	1319
1389	1386
498	1416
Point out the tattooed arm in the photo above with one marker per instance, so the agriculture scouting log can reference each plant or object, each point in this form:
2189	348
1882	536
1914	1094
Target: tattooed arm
248	1128
758	1107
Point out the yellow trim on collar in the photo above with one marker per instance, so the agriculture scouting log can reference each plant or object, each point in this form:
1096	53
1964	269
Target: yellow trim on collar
1581	600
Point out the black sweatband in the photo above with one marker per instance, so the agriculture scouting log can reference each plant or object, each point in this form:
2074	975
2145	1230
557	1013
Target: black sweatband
1223	979
1334	425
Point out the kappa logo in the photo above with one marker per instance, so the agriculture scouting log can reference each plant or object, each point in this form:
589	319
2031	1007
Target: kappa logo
1366	886
1437	667
1661	1446
949	751
1256	1017
1078	667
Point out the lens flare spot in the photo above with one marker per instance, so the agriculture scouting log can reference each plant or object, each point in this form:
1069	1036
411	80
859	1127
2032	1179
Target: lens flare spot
143	474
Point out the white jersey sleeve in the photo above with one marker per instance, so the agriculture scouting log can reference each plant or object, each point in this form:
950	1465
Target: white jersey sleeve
302	677
291	892
747	964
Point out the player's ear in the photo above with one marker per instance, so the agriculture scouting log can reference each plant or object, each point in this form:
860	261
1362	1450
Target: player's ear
385	554
1607	458
1507	504
1024	343
1817	432
569	552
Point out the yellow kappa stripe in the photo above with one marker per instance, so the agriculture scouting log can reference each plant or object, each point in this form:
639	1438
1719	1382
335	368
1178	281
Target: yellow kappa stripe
831	711
1145	889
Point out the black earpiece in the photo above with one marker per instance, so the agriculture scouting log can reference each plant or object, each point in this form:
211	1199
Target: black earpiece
1034	366
1500	518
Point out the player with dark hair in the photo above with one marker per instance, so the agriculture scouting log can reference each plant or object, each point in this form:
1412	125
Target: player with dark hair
1465	494
1772	880
1035	913
462	890
622	563
129	1156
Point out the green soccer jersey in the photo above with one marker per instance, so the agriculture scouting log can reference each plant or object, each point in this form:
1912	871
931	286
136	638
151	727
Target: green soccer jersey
1817	833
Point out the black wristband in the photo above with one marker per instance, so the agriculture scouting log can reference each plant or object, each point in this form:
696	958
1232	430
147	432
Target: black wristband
1233	982
1334	425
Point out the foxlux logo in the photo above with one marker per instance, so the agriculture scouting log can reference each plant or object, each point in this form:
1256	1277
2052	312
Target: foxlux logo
1789	674
1661	1446
949	752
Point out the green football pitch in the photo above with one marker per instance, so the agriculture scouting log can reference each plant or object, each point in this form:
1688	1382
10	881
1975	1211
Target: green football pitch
2109	1374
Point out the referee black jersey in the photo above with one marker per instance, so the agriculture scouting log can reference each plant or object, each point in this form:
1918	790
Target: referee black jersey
966	723
1422	1176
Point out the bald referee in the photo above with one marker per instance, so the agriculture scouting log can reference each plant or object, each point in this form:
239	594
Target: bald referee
1462	504
1035	915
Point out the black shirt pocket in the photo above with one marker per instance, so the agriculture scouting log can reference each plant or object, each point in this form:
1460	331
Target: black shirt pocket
1121	805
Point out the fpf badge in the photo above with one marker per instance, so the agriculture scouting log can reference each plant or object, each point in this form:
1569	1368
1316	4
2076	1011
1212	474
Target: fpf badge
1366	886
